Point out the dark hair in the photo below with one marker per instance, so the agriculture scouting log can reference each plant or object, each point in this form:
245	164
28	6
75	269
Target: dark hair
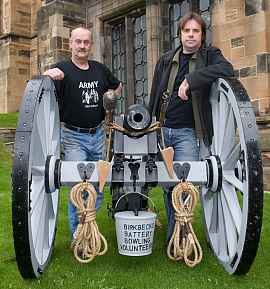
192	16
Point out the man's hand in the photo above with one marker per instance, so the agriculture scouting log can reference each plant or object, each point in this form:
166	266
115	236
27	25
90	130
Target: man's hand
55	73
183	88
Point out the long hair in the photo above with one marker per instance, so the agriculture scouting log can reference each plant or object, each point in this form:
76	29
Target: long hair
192	16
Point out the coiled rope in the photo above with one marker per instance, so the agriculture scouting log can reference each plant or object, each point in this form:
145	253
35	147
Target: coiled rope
184	214
87	237
151	128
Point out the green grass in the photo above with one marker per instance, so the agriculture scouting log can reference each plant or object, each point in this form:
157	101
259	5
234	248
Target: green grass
115	271
9	120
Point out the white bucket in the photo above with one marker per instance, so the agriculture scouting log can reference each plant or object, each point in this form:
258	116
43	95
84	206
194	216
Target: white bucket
135	234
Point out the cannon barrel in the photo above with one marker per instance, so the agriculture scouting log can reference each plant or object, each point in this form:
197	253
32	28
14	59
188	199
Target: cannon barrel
137	118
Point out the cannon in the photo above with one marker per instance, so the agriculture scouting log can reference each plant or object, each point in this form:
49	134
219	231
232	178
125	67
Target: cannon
229	174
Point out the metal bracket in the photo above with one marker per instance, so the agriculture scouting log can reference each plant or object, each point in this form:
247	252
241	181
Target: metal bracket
134	168
118	171
85	171
118	162
150	164
151	173
181	171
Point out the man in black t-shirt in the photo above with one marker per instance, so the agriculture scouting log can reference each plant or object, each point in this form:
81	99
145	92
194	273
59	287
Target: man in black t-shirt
80	85
188	117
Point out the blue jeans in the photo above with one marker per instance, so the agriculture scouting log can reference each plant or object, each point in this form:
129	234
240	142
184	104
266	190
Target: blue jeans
186	148
83	147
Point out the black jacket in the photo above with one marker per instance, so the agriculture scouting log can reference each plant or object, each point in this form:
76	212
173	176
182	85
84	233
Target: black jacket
210	65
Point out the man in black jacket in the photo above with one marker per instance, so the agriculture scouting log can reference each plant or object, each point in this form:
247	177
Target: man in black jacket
187	73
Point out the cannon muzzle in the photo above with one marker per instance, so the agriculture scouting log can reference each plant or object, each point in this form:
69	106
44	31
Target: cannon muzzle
137	118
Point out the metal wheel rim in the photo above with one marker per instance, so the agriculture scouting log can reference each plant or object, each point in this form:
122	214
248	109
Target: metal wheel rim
35	211
233	215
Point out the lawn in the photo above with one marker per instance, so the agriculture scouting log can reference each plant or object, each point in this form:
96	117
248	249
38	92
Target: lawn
113	270
9	120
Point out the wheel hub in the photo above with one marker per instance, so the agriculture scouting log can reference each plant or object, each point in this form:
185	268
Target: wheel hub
52	174
214	173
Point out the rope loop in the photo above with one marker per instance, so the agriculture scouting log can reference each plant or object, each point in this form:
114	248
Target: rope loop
152	127
87	237
184	241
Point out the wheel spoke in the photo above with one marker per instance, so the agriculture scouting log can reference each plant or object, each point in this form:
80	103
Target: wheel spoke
38	209
40	131
41	241
36	192
222	242
47	119
54	147
229	225
222	122
38	148
232	159
215	116
214	215
229	136
228	236
230	177
206	196
232	203
37	170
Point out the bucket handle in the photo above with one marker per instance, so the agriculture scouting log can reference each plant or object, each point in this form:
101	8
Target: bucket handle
138	194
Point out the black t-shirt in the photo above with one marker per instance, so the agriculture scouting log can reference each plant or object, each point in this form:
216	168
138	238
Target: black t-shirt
180	113
81	93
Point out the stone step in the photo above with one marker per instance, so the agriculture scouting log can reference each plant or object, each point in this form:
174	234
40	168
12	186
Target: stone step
8	135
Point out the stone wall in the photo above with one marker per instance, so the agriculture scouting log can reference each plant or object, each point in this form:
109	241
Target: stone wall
35	33
54	24
17	50
241	29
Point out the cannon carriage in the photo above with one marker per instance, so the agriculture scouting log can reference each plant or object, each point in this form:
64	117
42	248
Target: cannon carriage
229	174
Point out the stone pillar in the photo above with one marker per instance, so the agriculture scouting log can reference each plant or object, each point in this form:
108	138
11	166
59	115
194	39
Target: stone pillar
17	45
55	20
153	26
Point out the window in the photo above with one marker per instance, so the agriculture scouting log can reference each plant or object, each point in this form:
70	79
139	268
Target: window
204	11
176	12
119	63
128	46
129	60
140	60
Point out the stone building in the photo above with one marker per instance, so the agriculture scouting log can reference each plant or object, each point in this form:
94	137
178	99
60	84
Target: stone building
129	36
34	34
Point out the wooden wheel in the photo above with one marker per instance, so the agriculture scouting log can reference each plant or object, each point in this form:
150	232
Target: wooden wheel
34	196
232	201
